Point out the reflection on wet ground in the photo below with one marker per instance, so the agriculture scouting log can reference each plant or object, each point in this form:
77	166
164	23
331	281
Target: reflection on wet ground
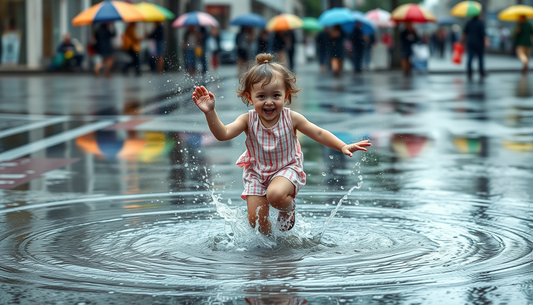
117	192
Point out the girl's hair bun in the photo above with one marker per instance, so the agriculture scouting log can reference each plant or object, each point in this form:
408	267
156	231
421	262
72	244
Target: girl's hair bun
263	58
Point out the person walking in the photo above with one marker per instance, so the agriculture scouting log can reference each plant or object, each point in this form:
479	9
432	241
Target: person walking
279	46
358	47
290	41
130	44
103	36
243	42
475	37
262	42
214	47
201	48
322	41
523	35
336	49
158	35
188	46
408	37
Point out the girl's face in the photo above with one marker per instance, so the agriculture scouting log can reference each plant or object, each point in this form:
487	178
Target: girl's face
268	100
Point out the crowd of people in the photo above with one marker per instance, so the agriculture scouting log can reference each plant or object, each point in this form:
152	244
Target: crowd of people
200	47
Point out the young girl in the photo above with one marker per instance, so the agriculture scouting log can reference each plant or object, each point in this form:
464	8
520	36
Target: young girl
273	171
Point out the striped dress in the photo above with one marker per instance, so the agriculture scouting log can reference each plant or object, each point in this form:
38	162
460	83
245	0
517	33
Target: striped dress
271	152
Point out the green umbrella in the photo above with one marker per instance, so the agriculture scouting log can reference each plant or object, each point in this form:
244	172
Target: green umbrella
311	24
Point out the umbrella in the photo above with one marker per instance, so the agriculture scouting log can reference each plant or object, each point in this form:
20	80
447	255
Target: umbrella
466	9
412	12
251	19
284	22
512	13
368	27
335	16
108	11
311	24
153	12
195	19
380	18
468	145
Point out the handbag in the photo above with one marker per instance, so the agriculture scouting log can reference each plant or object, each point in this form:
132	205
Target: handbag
458	50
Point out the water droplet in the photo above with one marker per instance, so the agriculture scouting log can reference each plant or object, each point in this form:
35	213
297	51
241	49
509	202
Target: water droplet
222	97
330	157
324	174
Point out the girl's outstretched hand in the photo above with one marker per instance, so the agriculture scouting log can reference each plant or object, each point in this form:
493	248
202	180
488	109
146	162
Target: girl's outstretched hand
348	149
204	99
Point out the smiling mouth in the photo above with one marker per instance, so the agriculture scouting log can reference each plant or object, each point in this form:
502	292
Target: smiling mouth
269	111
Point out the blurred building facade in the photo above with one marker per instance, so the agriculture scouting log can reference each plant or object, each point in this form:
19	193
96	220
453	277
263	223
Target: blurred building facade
39	25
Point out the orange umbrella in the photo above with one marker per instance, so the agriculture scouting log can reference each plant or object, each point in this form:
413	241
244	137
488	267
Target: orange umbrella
412	12
284	22
108	11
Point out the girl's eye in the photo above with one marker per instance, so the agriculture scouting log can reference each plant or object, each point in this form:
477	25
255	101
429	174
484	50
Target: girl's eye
277	95
261	96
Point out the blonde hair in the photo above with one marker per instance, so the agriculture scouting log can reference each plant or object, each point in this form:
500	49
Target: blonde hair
263	70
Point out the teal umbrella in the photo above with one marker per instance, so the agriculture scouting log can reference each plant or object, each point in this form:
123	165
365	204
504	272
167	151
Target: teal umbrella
311	24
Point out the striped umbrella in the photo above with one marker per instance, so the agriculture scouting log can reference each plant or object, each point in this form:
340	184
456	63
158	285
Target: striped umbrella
153	12
413	13
284	22
380	18
195	19
108	11
466	9
514	12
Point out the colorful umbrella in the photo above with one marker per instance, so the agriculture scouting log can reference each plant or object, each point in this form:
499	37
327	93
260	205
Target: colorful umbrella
311	24
412	12
251	20
336	16
467	145
466	9
284	22
514	12
368	27
153	12
195	19
108	11
380	18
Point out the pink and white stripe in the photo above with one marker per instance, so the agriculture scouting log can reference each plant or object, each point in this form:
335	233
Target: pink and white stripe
380	18
271	152
195	19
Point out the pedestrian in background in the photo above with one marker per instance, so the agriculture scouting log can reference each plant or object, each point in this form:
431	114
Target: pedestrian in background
201	48
290	42
158	35
370	39
188	46
358	47
408	37
214	47
262	42
243	42
130	44
322	41
523	35
336	49
475	37
278	46
103	36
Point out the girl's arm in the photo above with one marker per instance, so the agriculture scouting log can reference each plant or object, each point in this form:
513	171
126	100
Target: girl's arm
205	100
325	137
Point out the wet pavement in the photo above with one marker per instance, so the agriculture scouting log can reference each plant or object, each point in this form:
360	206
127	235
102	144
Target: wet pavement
114	192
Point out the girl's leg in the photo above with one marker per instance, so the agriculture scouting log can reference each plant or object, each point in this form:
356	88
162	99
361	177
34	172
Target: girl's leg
280	194
258	213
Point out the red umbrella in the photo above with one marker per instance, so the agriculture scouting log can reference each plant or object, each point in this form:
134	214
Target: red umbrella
412	12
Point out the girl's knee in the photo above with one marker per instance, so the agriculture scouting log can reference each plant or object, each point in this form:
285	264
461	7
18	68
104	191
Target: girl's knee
276	198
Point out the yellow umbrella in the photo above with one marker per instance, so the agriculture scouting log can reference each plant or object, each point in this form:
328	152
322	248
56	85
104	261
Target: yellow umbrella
284	22
466	9
512	13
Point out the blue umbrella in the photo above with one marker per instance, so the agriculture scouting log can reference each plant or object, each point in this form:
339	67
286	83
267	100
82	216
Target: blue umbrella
446	21
335	16
251	19
368	27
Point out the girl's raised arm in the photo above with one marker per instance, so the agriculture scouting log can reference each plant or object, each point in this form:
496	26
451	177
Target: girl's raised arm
205	100
325	137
